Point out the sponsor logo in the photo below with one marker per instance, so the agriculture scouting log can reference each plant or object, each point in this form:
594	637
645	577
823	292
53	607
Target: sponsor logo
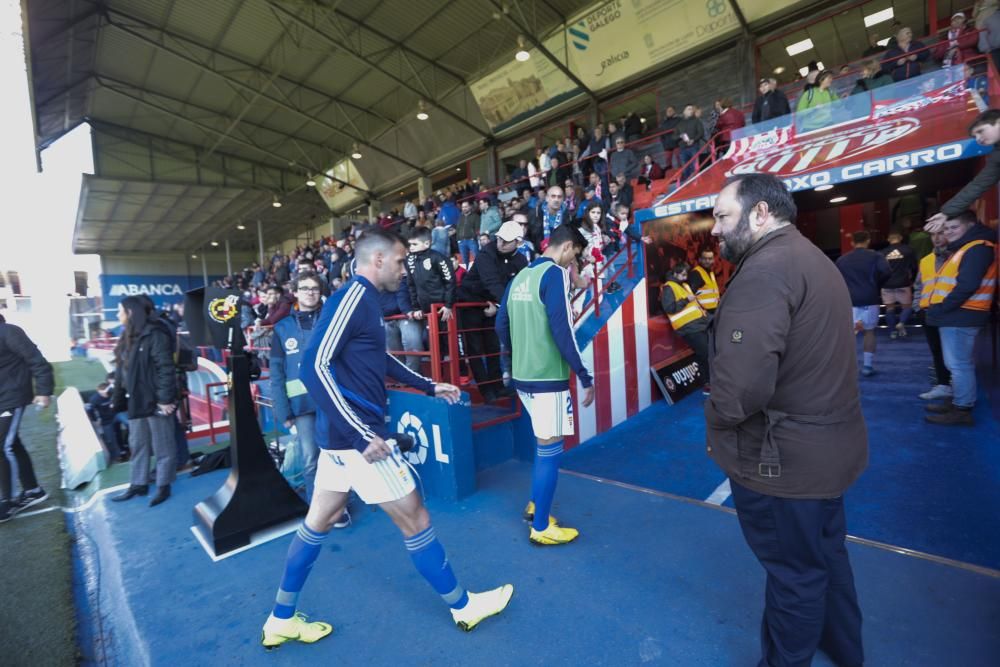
411	425
737	336
686	375
152	289
611	61
521	293
579	37
224	309
715	7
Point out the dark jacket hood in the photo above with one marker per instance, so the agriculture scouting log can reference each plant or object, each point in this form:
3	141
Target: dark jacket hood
979	232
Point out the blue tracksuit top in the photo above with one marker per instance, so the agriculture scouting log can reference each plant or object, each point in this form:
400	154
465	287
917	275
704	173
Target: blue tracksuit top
344	367
291	335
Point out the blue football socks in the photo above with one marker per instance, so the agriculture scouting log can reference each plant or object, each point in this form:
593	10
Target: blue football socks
544	476
302	553
429	558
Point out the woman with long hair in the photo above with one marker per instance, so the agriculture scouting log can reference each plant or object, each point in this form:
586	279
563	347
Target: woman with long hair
146	387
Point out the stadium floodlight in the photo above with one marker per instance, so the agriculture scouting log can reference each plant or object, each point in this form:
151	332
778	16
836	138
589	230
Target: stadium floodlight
799	47
878	17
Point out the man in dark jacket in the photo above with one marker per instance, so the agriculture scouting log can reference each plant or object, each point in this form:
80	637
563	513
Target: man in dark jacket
691	136
864	271
495	267
467	234
771	102
431	280
986	131
25	378
897	290
960	308
669	138
784	420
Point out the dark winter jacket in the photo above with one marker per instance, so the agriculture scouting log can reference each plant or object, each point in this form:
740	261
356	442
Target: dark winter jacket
430	279
866	84
770	105
468	226
984	180
902	266
24	372
949	313
148	378
694	130
670	139
490	274
909	69
784	418
864	271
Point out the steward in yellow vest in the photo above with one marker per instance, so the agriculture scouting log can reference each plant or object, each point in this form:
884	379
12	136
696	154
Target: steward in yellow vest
688	319
703	283
966	285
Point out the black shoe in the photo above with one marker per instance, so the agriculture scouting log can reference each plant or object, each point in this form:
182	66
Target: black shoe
162	493
953	417
30	498
131	492
938	408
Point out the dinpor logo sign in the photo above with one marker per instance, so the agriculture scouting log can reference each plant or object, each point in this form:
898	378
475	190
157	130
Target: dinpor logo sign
773	156
152	289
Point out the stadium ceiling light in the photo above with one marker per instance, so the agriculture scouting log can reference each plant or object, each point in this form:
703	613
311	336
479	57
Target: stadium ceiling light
241	227
837	200
215	244
878	17
799	47
356	154
194	256
421	111
779	69
522	54
883	42
909	186
310	182
823	188
642	120
276	203
902	172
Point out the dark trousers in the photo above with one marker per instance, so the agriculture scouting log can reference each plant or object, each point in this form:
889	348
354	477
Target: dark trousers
941	371
15	459
486	370
698	341
810	601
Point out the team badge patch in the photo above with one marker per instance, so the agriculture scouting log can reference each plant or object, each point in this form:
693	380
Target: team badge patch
291	345
427	264
737	336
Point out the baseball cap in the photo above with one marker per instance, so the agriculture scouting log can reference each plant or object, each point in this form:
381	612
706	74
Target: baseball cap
510	231
962	14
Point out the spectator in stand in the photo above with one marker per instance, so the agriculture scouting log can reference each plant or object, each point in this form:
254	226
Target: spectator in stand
771	102
730	119
977	86
623	160
864	271
544	165
280	304
872	77
281	271
589	195
595	156
533	179
258	275
431	280
687	318
625	194
902	60
489	216
547	216
632	127
987	20
691	134
292	405
571	195
576	165
812	73
960	308
958	44
145	386
813	108
439	238
923	288
897	290
410	210
669	139
487	281
874	48
649	171
614	195
468	229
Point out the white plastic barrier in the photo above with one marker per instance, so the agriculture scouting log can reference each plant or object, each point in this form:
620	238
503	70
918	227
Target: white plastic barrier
81	454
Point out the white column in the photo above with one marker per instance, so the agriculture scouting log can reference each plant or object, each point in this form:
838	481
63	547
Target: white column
204	267
229	260
260	242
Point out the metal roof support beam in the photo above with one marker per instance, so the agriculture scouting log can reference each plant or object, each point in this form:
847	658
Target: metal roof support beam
544	51
252	89
344	48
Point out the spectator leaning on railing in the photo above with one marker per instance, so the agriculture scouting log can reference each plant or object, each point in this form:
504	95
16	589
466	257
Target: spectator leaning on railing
958	44
771	103
902	61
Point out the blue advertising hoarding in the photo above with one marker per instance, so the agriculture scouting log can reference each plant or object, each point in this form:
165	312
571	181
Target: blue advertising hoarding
161	289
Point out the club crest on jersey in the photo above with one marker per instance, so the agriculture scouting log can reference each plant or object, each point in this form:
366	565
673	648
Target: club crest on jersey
292	345
427	264
737	336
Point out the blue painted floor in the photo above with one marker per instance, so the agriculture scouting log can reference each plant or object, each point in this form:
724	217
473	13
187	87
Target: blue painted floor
930	488
651	581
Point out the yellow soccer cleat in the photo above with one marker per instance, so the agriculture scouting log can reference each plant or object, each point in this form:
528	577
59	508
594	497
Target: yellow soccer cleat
553	535
529	514
277	631
481	606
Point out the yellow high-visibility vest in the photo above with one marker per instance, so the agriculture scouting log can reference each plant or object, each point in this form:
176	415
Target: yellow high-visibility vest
928	274
689	313
708	293
948	278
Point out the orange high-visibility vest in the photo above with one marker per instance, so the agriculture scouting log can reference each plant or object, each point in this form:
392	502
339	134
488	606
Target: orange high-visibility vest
689	313
948	278
708	293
